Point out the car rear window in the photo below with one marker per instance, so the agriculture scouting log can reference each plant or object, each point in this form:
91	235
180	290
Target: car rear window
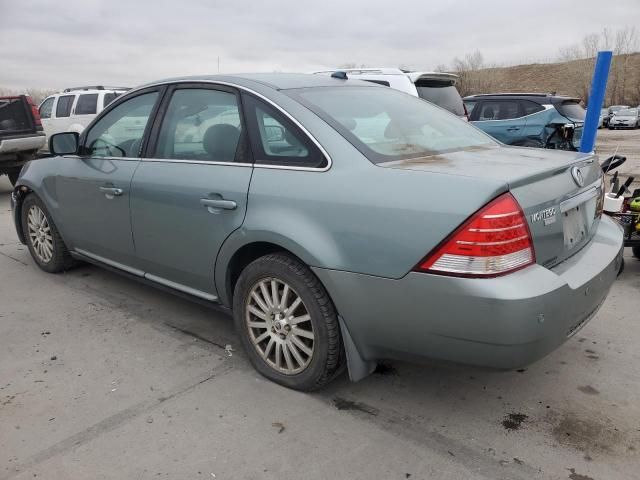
87	104
572	110
386	124
443	93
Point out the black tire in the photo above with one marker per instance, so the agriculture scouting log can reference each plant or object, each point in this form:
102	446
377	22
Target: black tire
328	355
636	252
61	259
13	177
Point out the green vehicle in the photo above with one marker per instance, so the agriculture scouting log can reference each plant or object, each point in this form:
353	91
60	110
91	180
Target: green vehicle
340	222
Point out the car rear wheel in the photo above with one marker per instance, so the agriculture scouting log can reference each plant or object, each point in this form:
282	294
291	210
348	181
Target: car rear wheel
287	323
43	239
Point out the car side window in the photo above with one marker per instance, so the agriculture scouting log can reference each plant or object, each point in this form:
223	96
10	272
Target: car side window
497	110
529	107
202	124
119	133
108	98
63	108
46	107
275	140
87	104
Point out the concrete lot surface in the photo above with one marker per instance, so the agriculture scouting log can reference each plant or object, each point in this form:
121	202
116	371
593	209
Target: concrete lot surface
105	378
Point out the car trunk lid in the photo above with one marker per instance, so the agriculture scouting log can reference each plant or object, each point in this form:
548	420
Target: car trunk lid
559	192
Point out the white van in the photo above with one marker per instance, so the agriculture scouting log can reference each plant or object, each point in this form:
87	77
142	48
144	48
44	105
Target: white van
435	87
74	108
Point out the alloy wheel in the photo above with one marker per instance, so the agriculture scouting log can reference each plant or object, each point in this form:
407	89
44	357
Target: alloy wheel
40	234
279	326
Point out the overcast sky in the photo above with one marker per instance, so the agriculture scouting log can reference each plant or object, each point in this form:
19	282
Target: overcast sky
57	44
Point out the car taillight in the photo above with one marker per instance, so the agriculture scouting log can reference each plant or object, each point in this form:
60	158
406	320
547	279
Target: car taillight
494	241
35	112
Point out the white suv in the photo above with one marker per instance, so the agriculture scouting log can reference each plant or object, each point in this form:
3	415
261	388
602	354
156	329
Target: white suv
74	108
435	87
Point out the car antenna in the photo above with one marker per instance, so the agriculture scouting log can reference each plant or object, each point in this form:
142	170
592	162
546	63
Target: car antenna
340	74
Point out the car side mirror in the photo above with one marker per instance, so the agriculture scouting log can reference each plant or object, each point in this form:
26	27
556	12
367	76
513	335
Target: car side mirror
65	143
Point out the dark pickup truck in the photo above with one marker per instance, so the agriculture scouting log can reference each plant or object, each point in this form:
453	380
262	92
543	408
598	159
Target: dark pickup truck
21	134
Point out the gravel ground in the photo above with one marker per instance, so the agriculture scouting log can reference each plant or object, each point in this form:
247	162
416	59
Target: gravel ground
622	142
105	378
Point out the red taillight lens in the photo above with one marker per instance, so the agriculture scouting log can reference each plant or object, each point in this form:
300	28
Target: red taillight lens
35	112
494	241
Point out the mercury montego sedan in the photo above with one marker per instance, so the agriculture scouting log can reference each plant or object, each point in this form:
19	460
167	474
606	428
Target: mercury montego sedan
341	222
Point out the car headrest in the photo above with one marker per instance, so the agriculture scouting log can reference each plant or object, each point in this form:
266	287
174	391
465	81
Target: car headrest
220	142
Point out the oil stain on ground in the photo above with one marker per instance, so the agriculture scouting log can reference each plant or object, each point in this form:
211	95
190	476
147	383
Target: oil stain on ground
513	421
576	476
344	404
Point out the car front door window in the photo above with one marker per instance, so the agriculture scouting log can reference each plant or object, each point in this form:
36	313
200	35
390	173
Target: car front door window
119	133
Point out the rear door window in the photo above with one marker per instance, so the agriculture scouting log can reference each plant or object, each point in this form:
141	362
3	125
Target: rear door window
442	93
496	110
63	108
529	107
87	104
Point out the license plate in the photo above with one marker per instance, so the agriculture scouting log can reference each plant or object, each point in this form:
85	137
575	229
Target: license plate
577	222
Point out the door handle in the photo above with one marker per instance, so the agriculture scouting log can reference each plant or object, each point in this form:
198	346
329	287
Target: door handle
112	191
513	129
211	203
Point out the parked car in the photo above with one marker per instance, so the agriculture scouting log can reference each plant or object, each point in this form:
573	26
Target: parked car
339	221
21	134
604	114
74	108
529	119
611	111
436	87
625	118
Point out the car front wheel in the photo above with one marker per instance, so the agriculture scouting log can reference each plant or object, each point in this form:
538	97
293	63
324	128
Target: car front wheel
43	239
287	323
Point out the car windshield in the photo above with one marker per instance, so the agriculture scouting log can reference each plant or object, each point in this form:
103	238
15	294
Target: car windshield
631	112
386	124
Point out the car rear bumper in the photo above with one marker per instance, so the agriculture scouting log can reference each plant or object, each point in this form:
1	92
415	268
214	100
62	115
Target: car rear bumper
22	143
503	322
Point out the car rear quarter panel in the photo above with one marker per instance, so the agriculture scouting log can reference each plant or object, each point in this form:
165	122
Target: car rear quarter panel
356	216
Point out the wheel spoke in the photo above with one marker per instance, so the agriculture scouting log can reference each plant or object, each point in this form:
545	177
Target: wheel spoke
262	337
296	354
268	348
278	355
274	293
298	343
300	319
257	324
293	306
287	357
302	333
257	312
259	301
265	294
285	296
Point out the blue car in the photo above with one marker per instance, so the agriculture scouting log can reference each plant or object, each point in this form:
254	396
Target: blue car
529	119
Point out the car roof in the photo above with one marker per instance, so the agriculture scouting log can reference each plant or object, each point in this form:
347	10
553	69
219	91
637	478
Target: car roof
536	97
277	81
413	76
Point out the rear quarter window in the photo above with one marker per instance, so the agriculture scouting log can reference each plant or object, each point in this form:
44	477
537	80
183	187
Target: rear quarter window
87	104
571	109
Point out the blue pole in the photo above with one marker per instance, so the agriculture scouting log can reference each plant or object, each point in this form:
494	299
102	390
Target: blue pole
596	99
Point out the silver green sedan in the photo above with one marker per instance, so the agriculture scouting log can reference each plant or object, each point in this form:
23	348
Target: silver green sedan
341	222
